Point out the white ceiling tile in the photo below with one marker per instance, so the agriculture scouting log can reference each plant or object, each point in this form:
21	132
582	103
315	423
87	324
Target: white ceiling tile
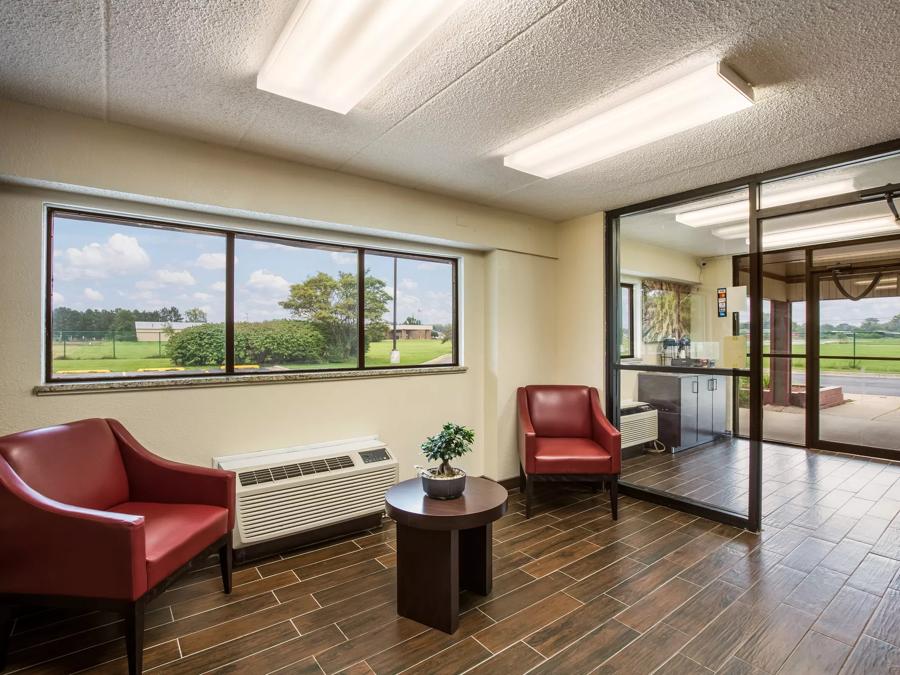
495	72
52	54
190	67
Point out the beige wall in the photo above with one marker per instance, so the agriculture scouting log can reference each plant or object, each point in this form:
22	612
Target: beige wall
508	265
581	331
520	322
640	259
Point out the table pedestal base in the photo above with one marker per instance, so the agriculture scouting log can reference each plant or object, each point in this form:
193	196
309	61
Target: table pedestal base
433	566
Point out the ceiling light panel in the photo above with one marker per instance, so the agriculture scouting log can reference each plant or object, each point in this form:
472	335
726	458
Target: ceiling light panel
830	232
704	95
331	54
739	211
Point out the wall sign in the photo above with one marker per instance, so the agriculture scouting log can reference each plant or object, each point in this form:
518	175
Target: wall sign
722	295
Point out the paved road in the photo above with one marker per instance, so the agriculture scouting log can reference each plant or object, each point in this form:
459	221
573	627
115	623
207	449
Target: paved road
857	384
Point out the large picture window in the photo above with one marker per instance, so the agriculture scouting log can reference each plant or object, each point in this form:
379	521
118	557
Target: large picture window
128	298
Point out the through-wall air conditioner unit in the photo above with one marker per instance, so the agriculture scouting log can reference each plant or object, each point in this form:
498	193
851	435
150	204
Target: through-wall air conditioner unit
639	423
292	490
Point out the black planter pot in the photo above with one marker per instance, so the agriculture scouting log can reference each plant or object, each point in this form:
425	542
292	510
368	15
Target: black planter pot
444	488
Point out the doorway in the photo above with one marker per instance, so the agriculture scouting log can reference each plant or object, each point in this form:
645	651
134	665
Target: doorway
854	355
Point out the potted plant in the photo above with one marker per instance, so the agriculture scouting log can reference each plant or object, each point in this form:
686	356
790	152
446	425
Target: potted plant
443	481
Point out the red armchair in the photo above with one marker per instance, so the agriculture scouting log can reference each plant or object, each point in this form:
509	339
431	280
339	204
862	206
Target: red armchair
564	436
90	518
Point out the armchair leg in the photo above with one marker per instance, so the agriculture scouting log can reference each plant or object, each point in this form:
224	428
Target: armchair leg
6	624
521	479
225	562
134	636
614	496
529	495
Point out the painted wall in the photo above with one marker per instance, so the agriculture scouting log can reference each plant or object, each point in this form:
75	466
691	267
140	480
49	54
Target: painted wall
580	331
521	319
640	259
120	168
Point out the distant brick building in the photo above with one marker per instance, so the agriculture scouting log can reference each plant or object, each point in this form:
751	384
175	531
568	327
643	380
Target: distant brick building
412	332
159	331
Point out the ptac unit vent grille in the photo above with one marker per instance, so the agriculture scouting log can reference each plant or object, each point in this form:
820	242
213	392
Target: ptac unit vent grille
272	474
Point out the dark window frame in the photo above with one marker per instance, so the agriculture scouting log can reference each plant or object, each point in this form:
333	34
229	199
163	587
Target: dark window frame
630	354
230	235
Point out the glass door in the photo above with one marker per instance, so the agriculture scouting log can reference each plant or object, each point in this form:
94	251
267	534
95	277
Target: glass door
848	385
856	360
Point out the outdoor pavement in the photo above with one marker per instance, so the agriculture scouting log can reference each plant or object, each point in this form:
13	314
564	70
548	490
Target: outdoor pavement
887	385
870	414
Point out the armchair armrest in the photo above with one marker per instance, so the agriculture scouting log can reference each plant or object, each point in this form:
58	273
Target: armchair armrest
604	433
51	548
526	434
154	479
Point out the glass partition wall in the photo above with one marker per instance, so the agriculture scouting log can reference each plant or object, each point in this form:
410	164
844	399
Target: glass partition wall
725	340
679	385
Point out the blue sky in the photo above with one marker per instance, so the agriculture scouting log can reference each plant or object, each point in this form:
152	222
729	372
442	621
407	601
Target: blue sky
104	266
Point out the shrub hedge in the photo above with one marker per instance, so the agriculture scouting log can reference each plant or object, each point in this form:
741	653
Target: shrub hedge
280	341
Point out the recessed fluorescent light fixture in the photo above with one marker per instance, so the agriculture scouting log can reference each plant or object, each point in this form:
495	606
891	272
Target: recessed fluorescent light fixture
332	53
691	100
740	210
833	231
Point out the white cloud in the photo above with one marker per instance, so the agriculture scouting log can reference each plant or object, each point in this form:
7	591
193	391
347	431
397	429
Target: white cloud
261	280
407	284
58	298
343	258
147	285
203	297
91	294
120	254
175	277
219	286
212	261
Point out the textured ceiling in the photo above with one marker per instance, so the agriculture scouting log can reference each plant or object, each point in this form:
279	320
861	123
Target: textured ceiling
498	70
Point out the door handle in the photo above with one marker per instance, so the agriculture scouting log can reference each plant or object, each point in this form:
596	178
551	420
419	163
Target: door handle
709	384
695	387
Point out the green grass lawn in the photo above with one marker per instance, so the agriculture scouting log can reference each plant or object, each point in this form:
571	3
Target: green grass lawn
838	356
133	356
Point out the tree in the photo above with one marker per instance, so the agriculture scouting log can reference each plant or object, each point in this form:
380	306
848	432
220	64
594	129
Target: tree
330	305
411	321
170	314
195	315
870	324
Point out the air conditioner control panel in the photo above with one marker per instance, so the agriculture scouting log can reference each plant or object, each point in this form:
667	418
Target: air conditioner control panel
379	455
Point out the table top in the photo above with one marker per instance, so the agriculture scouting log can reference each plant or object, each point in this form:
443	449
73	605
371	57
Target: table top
483	501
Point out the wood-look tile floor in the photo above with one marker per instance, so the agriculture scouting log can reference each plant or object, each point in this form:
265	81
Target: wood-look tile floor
717	474
658	591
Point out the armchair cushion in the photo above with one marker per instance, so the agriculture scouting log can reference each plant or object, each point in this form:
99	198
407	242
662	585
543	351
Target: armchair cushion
560	411
77	463
175	533
571	456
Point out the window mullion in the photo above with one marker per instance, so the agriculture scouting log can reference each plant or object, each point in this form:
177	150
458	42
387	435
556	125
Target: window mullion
229	303
361	308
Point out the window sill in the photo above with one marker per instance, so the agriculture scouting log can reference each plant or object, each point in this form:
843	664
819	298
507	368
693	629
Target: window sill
100	387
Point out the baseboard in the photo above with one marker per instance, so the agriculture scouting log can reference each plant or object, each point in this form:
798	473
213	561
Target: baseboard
266	548
509	483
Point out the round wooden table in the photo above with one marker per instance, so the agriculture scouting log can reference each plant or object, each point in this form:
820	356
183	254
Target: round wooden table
443	547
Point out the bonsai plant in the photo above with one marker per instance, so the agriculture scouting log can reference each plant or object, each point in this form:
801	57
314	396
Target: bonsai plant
443	481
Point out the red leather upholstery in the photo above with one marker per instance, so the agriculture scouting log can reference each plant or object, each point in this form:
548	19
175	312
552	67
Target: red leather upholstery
560	411
562	430
61	490
77	464
175	533
571	456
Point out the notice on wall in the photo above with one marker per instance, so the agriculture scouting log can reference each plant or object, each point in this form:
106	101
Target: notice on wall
722	300
734	352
